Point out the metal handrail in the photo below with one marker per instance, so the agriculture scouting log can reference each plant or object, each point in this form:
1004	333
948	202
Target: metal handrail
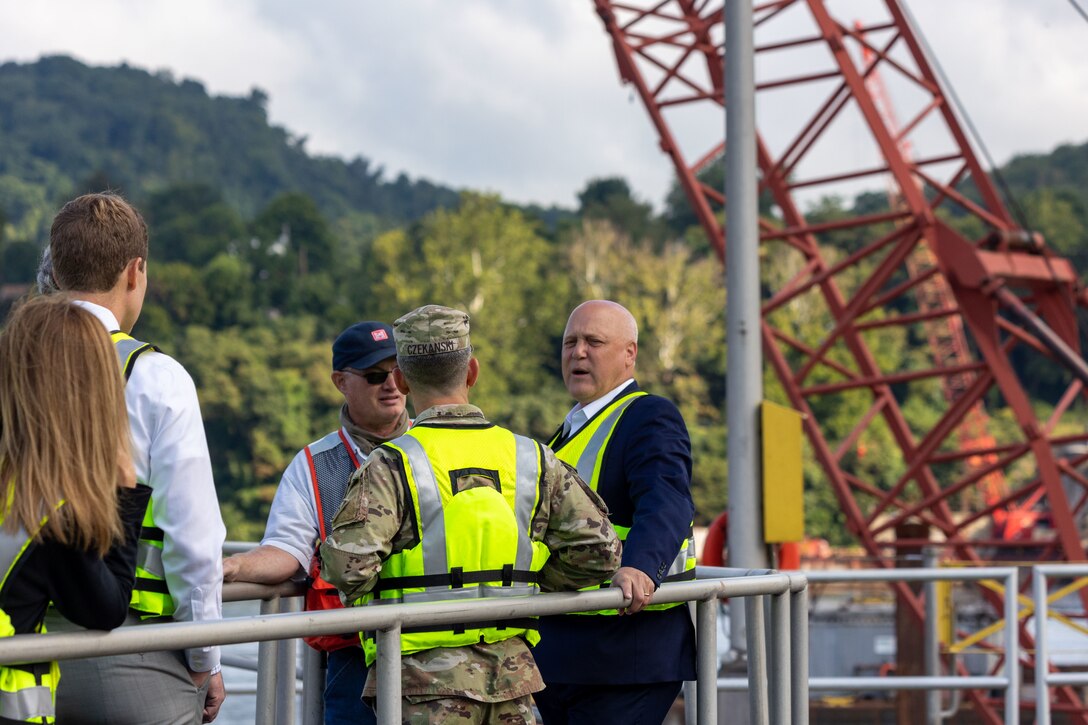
1044	678
1009	682
388	620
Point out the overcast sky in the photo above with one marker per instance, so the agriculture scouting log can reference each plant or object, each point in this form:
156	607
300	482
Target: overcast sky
517	96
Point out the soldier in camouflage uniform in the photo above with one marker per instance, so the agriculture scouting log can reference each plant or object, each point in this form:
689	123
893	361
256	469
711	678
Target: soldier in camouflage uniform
452	466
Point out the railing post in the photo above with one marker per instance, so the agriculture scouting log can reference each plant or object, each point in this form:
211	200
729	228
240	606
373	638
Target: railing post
1012	648
706	630
267	652
755	635
932	650
799	655
314	667
388	674
779	662
286	669
1042	656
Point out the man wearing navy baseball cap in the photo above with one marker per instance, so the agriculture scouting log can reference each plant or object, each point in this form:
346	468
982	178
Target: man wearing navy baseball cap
309	495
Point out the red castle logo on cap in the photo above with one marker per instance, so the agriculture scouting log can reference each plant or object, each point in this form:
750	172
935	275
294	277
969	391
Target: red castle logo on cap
379	335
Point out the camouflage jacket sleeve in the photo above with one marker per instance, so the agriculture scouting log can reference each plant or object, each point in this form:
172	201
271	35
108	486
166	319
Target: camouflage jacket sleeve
573	522
370	524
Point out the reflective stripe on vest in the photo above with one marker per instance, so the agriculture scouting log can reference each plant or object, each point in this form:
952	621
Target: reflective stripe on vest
128	350
473	543
331	461
585	451
12	547
26	691
150	595
23	698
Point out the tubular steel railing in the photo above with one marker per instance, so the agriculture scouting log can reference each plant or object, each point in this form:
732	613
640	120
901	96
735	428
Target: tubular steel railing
1009	682
776	695
1042	600
776	605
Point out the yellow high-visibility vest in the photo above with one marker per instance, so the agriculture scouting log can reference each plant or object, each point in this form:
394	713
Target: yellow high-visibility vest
585	452
471	543
150	595
27	692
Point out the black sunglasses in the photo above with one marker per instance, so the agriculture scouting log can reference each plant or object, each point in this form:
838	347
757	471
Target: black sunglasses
376	378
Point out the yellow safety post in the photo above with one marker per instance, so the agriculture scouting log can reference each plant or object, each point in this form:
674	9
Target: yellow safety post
946	626
783	505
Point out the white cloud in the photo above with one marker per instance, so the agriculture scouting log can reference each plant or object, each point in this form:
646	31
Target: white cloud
521	98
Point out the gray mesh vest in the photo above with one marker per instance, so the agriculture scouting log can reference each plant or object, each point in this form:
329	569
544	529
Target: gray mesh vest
332	461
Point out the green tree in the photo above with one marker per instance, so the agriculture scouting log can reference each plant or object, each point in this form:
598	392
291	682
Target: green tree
265	392
179	289
290	240
487	260
228	284
191	223
1062	216
294	220
611	199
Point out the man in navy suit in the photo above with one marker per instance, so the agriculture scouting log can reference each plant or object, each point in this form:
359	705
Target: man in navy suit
632	448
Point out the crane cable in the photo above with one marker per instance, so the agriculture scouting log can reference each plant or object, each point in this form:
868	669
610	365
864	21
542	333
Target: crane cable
1021	217
1010	199
1079	9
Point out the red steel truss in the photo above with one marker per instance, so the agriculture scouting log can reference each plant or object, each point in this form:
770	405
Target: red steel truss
947	338
848	323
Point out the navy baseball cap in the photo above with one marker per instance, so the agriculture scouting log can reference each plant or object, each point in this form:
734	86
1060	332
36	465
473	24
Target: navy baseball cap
363	345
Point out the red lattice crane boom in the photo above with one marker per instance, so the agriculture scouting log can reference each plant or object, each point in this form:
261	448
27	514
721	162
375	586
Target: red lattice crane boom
849	297
947	338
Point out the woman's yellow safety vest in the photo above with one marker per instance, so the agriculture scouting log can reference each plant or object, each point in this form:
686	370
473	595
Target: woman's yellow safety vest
472	543
585	452
27	692
150	595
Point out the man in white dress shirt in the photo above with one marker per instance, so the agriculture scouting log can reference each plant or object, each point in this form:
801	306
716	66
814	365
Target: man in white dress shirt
98	245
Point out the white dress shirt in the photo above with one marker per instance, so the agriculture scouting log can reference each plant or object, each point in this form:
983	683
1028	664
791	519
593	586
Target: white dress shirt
580	414
171	456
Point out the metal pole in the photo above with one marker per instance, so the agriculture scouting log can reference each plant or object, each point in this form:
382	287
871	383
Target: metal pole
1042	694
779	662
286	657
1012	648
799	656
757	662
314	667
266	671
706	630
932	656
744	354
388	673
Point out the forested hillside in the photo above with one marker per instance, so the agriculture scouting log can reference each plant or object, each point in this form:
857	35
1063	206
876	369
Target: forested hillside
261	253
64	123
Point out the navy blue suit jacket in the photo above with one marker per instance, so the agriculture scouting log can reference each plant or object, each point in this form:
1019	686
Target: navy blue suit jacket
646	481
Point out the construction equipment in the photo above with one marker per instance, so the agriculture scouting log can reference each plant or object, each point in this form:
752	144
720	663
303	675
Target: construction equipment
850	298
947	338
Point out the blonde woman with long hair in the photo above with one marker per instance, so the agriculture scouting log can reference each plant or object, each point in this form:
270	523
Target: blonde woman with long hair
71	507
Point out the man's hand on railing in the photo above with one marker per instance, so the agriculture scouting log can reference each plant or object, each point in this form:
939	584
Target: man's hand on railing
636	586
230	568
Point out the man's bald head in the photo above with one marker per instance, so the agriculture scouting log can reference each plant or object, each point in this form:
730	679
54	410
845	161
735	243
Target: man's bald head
600	345
613	314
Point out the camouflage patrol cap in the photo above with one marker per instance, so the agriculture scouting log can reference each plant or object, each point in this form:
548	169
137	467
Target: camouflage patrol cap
431	330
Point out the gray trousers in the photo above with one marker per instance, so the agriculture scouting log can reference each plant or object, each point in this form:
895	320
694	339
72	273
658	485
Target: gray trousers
147	688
